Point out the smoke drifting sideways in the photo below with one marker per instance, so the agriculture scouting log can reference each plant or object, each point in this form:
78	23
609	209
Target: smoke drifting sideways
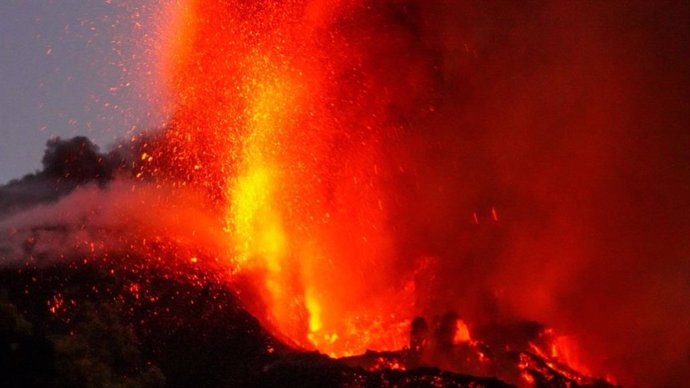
85	204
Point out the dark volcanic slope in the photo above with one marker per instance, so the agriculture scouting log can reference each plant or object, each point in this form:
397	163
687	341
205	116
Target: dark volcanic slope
96	324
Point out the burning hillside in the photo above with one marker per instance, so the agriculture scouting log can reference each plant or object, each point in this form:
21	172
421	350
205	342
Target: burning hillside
419	192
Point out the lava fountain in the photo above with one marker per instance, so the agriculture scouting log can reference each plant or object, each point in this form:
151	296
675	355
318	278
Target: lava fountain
281	112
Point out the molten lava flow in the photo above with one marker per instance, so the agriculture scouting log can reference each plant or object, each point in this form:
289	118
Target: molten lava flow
462	333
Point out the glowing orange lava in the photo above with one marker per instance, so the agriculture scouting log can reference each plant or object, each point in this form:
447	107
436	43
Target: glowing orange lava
462	333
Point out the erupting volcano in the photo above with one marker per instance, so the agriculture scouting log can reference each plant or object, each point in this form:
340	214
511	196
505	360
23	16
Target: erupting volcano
398	185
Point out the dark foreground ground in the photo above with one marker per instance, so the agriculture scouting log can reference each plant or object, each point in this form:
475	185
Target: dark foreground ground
94	325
